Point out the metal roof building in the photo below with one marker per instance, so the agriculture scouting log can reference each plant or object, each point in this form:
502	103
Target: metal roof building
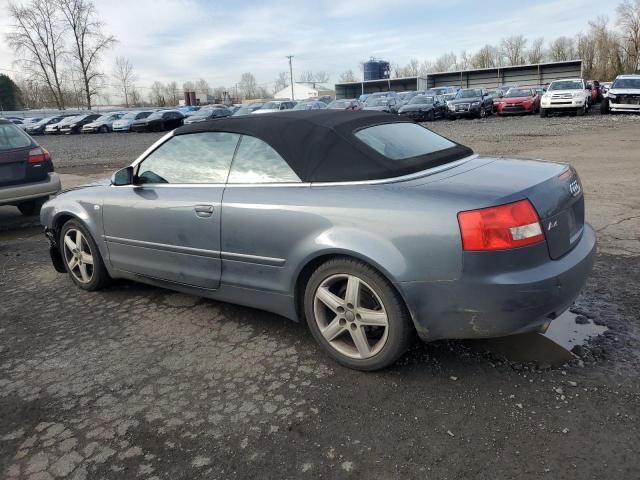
518	75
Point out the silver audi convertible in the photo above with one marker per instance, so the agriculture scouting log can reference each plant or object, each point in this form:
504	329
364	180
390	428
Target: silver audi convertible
368	226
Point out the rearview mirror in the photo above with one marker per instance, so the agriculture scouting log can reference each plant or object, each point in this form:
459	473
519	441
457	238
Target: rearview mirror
122	177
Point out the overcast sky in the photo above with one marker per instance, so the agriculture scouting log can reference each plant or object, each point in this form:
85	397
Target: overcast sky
188	39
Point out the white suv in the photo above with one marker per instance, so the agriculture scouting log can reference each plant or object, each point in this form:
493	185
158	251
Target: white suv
623	95
571	94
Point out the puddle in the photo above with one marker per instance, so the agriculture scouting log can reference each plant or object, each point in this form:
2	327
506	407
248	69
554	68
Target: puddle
567	333
552	348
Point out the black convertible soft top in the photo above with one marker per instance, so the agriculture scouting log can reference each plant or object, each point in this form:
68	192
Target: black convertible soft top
320	145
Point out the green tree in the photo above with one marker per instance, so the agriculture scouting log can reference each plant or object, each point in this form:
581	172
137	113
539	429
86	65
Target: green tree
10	95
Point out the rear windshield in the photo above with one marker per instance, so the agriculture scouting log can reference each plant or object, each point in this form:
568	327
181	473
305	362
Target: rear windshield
399	141
12	137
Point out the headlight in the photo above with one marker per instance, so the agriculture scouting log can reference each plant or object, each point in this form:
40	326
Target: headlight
475	104
73	125
577	94
546	96
611	96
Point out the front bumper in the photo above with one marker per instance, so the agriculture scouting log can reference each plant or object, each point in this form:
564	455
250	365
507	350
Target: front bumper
87	129
624	107
516	108
564	104
483	303
16	194
473	111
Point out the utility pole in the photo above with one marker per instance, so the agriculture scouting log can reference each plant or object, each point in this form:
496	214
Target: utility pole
291	75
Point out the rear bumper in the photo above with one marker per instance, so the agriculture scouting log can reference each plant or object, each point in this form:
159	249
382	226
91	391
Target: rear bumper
498	304
16	194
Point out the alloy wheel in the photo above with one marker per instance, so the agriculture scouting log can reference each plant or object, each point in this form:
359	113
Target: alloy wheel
351	316
78	255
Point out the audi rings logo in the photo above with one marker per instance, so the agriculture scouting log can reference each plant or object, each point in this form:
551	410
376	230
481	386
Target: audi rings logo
575	188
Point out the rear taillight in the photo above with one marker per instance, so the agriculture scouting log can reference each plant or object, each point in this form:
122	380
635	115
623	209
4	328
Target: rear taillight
38	155
499	228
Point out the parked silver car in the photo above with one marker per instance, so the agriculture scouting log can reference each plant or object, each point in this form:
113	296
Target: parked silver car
104	124
367	225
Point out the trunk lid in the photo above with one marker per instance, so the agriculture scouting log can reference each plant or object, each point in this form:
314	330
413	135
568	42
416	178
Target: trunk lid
553	189
13	166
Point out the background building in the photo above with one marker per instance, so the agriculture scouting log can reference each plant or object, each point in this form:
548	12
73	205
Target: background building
302	90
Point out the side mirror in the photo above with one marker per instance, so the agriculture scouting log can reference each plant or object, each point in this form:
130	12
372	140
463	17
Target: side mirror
122	177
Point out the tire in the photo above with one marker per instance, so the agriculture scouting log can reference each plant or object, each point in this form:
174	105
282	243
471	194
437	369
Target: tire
482	113
97	276
430	116
393	332
543	113
103	129
32	207
604	106
581	111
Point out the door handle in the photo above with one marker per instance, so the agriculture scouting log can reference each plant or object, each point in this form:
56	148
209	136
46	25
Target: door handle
203	210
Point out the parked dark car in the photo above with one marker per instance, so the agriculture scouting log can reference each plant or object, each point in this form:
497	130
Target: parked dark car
26	171
77	124
248	109
348	104
470	102
309	105
205	114
54	128
368	226
383	104
518	100
159	121
422	108
39	127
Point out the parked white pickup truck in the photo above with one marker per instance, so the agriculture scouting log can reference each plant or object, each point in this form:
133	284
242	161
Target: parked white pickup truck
568	95
623	96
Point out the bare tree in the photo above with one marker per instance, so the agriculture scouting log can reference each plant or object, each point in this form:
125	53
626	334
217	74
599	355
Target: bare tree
248	85
628	21
347	76
306	77
125	78
535	54
446	62
202	86
321	77
156	95
172	93
37	35
561	49
281	82
464	60
89	42
485	57
513	49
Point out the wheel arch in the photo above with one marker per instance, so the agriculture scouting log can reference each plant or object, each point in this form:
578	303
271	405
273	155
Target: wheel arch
311	264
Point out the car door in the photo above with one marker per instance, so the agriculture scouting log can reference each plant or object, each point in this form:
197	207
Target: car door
261	217
167	225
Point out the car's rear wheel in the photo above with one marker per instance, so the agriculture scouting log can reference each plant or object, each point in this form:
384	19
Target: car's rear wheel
357	315
81	257
32	207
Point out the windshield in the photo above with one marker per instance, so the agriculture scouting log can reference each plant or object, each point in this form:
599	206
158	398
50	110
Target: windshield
567	85
103	118
378	102
627	83
518	92
131	116
155	115
69	120
439	91
12	137
421	100
471	93
271	106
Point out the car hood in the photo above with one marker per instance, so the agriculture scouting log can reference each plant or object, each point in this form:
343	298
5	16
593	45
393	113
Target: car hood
564	92
268	110
514	100
123	123
377	109
624	91
464	100
418	107
189	120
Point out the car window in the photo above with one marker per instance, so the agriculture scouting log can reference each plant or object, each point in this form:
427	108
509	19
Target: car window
12	137
399	141
256	162
194	158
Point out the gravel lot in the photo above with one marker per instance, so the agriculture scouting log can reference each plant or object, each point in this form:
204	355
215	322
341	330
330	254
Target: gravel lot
139	382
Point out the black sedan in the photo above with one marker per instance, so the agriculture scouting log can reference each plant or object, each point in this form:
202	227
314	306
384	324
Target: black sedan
159	121
471	102
39	127
205	114
79	122
424	108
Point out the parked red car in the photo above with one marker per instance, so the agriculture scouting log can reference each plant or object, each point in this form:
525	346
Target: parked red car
518	100
596	94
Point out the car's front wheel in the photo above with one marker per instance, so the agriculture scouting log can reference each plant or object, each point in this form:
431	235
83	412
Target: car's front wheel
104	129
581	111
543	112
81	257
604	106
357	315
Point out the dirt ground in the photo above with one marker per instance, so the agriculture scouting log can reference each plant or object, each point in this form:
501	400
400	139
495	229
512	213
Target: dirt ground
139	382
